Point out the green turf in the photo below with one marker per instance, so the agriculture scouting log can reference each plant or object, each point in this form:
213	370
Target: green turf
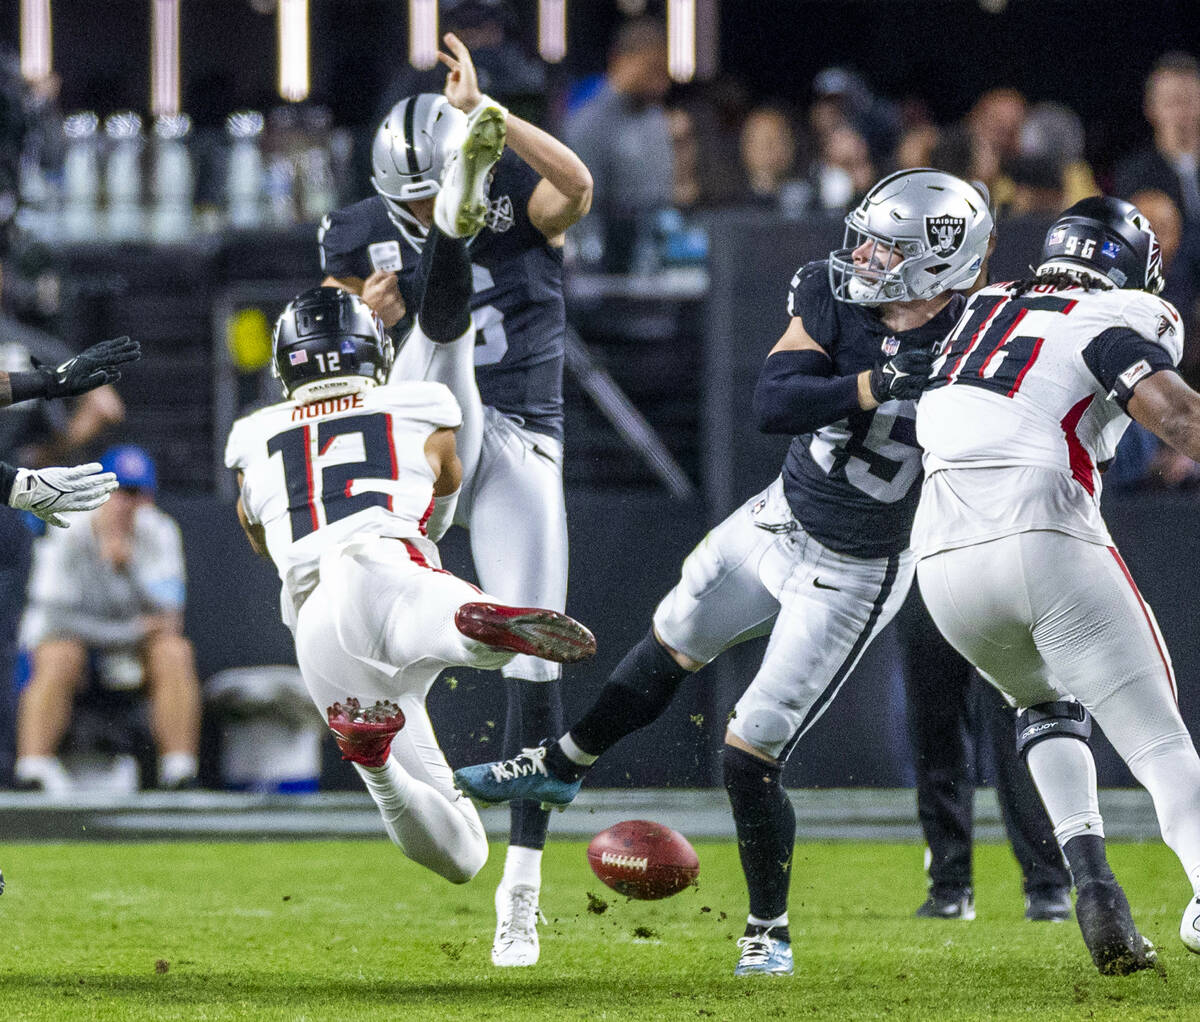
352	930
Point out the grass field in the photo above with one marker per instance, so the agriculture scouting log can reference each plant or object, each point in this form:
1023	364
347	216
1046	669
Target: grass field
352	930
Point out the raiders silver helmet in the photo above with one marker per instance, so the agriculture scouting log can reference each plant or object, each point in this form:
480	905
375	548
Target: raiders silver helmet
408	154
937	224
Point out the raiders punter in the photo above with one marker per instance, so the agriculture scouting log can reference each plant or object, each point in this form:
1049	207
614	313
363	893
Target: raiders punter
1031	395
819	559
346	485
513	501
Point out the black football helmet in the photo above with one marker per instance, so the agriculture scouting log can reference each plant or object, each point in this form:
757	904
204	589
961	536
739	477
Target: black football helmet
1110	238
328	342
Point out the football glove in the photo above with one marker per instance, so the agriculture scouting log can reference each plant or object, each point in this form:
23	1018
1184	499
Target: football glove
91	368
903	377
46	492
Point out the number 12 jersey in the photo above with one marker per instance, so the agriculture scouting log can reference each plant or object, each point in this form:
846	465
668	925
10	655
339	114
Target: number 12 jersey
317	475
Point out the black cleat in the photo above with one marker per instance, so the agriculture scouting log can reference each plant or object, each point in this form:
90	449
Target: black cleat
948	904
1109	931
1048	905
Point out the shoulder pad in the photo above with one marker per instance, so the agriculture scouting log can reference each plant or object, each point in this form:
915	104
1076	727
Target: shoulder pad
345	230
422	400
1156	319
810	298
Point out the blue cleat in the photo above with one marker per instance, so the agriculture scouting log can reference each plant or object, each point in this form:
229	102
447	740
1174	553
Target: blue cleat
763	955
523	776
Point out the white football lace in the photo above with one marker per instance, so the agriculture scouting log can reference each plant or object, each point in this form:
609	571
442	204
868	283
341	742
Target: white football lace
755	950
521	924
528	763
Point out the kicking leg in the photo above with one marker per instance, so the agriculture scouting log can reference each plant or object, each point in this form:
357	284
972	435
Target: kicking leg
719	601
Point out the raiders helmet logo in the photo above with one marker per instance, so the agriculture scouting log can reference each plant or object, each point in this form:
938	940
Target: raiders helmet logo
945	233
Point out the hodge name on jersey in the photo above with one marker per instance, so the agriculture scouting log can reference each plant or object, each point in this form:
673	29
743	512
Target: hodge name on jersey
1028	404
517	303
318	474
854	484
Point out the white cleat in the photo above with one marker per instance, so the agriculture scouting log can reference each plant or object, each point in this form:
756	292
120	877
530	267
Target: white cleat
1189	927
460	209
517	916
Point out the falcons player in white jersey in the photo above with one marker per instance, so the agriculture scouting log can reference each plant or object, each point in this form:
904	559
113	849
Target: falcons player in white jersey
1031	394
346	485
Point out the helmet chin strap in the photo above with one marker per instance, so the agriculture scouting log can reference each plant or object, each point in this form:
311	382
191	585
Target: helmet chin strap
413	231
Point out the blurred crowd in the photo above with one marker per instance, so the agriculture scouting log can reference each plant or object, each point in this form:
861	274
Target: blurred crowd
663	157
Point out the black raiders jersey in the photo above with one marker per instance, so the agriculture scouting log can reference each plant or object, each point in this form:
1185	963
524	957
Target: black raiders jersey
854	484
517	306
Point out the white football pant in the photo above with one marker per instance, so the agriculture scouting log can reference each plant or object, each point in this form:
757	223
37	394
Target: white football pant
380	625
759	572
1045	616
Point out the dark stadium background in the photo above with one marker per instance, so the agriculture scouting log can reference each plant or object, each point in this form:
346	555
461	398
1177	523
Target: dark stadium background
628	536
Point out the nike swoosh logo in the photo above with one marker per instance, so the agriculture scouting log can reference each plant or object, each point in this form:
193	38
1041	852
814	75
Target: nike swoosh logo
821	585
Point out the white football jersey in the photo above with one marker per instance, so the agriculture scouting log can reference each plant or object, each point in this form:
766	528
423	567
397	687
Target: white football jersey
320	474
1026	405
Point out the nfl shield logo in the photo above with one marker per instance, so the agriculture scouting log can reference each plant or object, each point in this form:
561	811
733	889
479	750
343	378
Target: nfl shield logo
297	358
945	233
890	346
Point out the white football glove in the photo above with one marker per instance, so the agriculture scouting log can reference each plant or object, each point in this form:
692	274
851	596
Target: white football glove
48	491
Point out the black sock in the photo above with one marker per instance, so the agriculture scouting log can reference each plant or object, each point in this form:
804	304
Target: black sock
445	305
778	932
1087	859
766	829
534	712
636	693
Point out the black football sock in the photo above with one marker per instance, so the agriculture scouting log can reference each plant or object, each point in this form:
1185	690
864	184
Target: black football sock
778	932
636	694
1087	858
534	711
766	829
445	305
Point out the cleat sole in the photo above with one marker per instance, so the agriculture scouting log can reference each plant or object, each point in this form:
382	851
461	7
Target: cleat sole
527	630
480	151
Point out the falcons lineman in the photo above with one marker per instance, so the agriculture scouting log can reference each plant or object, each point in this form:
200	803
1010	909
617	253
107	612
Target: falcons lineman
1032	393
819	560
512	500
346	485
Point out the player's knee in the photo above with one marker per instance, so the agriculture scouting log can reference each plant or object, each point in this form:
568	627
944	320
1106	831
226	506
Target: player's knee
764	727
465	865
1052	720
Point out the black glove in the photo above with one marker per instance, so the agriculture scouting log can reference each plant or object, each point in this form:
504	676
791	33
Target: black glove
91	368
902	378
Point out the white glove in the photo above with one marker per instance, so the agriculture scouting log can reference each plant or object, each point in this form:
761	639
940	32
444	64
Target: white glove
47	491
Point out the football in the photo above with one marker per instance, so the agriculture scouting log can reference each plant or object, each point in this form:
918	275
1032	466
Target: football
643	860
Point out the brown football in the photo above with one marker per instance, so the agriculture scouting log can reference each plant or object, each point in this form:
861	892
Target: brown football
643	860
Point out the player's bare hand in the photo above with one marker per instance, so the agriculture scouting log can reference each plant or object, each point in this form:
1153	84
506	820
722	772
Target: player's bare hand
381	291
462	84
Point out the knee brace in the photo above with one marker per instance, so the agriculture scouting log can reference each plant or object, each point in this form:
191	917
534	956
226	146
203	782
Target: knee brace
1048	720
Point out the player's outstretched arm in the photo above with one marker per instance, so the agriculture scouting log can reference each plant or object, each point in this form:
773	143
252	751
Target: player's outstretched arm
1170	409
49	492
91	368
564	195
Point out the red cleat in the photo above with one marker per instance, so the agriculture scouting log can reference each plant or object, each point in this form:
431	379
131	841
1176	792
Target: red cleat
365	736
530	630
